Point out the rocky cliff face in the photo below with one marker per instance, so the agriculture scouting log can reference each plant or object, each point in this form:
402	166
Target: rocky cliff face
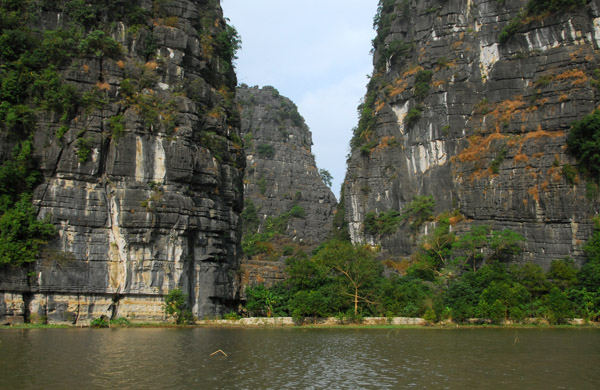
471	102
143	176
282	185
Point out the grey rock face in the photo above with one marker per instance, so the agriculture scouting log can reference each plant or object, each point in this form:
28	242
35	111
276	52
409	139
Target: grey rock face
281	173
487	131
154	208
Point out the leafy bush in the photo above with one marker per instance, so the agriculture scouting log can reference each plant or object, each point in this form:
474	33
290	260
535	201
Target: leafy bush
101	322
570	173
297	211
422	83
21	234
413	116
497	161
326	177
250	221
536	7
583	143
121	321
384	224
176	306
418	211
228	42
233	316
266	151
99	44
117	126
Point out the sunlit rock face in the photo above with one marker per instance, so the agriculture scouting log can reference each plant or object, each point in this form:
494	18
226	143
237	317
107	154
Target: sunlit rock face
478	122
281	173
155	204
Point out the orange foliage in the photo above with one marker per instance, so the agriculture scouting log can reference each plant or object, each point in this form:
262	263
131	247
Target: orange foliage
456	219
399	266
398	87
521	157
545	186
379	106
412	71
577	74
563	98
538	155
386	142
534	192
121	64
478	147
152	65
86	68
539	133
103	86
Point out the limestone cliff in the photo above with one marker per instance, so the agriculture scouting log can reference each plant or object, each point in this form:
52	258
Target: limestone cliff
142	176
471	102
282	185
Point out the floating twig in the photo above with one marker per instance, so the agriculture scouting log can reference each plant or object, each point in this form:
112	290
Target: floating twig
216	352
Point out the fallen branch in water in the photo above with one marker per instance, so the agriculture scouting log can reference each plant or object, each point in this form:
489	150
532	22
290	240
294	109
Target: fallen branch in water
216	352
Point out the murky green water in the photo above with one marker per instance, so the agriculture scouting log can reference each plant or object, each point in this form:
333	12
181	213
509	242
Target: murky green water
300	359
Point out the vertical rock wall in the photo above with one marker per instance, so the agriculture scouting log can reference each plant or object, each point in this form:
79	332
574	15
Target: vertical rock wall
155	203
478	121
281	173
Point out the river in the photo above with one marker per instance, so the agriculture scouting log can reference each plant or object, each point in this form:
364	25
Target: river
297	358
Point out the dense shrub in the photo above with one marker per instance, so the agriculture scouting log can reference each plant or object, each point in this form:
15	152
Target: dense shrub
176	306
265	151
583	143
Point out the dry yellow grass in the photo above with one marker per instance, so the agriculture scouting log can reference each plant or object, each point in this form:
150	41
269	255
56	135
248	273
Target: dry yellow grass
577	74
103	86
534	192
151	65
522	158
478	147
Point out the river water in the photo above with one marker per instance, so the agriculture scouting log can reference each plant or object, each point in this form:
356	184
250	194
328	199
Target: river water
297	358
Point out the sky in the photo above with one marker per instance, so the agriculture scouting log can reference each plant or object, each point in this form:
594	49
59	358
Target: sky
315	52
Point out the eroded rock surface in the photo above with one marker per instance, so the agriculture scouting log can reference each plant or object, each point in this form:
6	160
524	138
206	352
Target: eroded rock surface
150	205
478	123
281	174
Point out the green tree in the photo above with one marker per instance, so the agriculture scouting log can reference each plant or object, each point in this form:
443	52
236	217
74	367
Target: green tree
418	211
532	277
21	233
176	306
326	177
558	307
469	247
354	268
260	300
563	274
505	244
437	246
583	142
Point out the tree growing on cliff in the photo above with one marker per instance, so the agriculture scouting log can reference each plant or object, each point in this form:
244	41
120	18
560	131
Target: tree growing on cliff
326	177
583	142
21	233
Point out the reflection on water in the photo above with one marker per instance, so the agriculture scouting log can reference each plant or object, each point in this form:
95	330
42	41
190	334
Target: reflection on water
300	359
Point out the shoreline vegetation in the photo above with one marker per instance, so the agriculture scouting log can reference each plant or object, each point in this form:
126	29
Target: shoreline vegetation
320	323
